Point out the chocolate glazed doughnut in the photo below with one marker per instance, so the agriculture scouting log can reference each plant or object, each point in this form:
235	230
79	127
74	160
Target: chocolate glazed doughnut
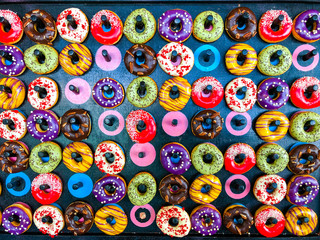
76	124
79	217
140	60
174	189
16	150
206	124
311	159
241	24
237	219
36	20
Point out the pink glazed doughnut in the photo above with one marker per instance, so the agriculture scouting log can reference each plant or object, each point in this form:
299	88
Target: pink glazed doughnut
149	154
120	119
296	53
114	54
84	91
175	130
142	224
240	195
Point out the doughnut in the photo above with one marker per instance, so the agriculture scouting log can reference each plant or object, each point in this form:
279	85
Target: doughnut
79	217
306	26
77	91
238	124
233	183
267	121
273	93
174	123
12	60
207	158
272	158
206	124
13	125
45	157
17	218
175	59
43	93
141	126
270	189
205	189
80	185
301	220
110	189
43	125
275	26
140	60
239	158
106	27
304	159
78	157
143	154
108	57
17	184
240	94
173	221
49	220
142	188
142	92
109	157
303	86
175	25
141	221
14	157
111	122
73	25
108	93
207	92
280	65
75	59
76	124
269	221
174	189
297	55
140	26
12	93
237	219
175	158
208	26
111	219
241	24
203	60
236	54
11	29
46	188
305	126
39	26
302	189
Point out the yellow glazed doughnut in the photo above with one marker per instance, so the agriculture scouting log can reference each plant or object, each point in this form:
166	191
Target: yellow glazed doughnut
267	119
78	157
13	93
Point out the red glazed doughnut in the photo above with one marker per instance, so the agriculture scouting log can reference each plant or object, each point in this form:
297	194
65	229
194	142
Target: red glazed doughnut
16	28
270	18
298	89
103	35
141	126
46	188
244	154
207	92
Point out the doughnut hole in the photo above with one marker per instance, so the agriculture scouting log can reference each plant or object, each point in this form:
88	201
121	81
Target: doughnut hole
109	157
207	158
309	126
176	25
11	156
306	158
110	189
241	93
238	220
78	217
240	158
142	215
10	125
173	222
75	123
142	188
40	28
42	126
206	221
274	125
110	220
174	188
6	61
14	219
271	222
271	187
304	190
237	186
274	92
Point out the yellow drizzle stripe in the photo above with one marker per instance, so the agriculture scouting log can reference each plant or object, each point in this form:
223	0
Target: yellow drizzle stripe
85	152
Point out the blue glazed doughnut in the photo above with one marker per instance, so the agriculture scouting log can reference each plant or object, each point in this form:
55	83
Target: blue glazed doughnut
18	189
80	185
210	65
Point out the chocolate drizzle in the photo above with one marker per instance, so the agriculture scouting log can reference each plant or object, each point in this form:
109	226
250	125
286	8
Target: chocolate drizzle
20	153
174	189
237	219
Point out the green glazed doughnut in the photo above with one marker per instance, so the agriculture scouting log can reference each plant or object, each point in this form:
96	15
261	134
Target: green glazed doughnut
55	156
149	22
141	198
151	92
203	166
264	60
297	123
208	35
49	55
269	150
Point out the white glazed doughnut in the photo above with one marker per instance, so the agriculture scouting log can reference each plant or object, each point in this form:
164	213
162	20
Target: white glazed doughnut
69	34
20	124
185	59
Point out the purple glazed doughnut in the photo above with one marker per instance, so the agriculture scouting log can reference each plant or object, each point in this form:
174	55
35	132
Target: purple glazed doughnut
108	93
43	125
273	93
206	219
300	29
175	158
14	55
110	189
184	25
302	189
